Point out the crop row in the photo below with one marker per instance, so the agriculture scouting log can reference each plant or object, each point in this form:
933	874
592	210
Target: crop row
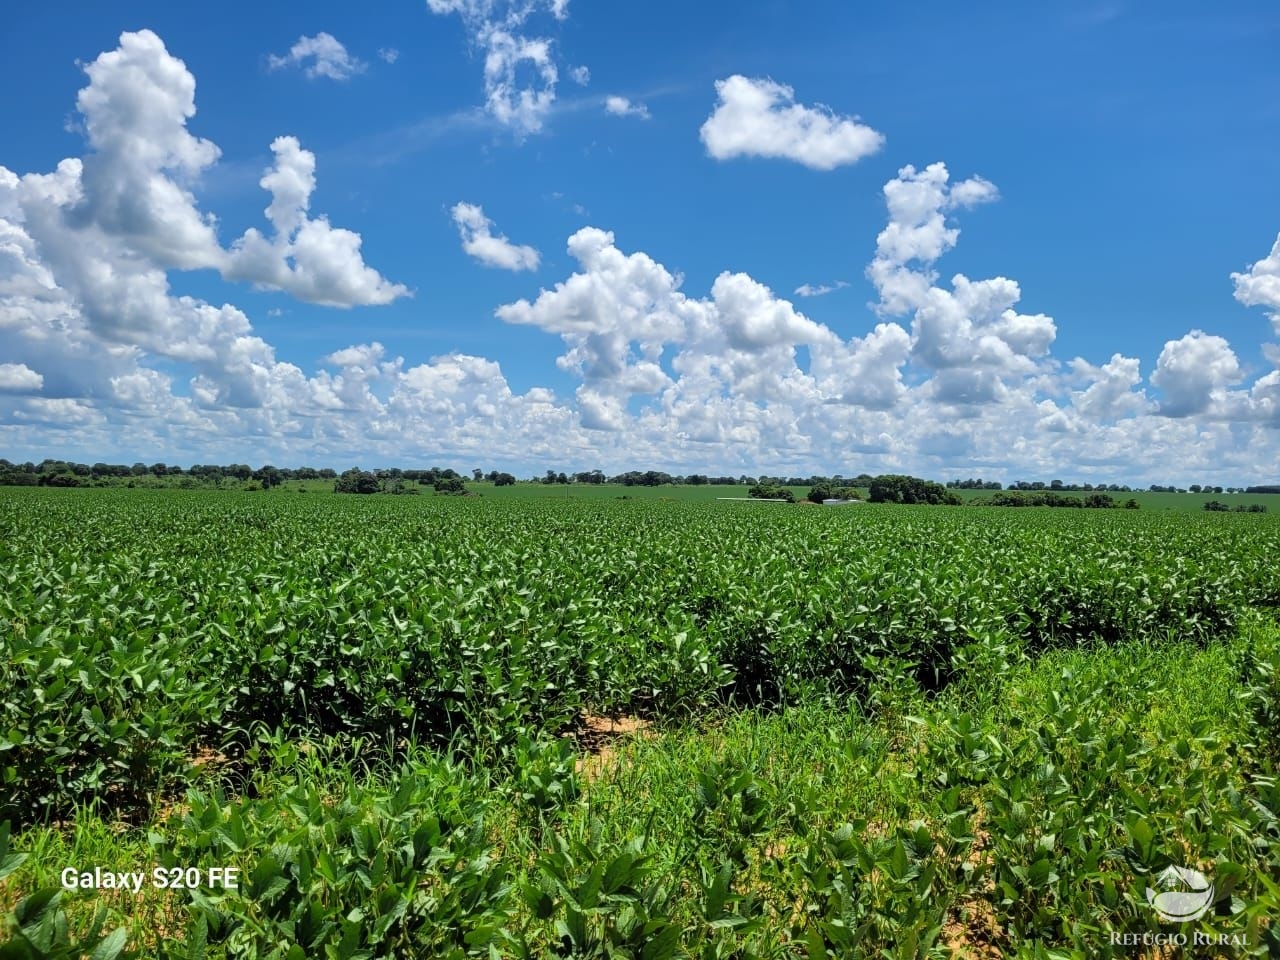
140	627
1026	818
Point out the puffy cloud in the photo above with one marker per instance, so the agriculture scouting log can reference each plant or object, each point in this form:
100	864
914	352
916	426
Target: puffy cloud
122	215
102	356
819	290
631	293
463	405
752	317
58	414
969	335
622	107
918	202
18	377
760	118
632	334
307	258
21	271
520	71
1110	393
85	255
866	372
323	56
581	75
388	54
479	241
363	356
1260	286
1194	372
135	110
290	183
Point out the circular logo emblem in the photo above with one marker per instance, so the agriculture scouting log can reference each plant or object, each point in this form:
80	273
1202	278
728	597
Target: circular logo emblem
1183	894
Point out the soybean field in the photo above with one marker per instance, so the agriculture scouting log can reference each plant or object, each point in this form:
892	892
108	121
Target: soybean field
478	726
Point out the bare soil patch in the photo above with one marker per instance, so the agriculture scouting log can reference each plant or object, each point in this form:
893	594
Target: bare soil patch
598	738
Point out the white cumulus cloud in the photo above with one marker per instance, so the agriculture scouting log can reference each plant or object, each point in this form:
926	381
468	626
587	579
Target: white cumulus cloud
479	241
1193	373
307	257
100	357
86	252
760	118
1260	285
970	335
19	377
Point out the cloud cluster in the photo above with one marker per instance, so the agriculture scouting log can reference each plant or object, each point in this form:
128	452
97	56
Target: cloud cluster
479	241
970	336
520	70
760	118
323	56
102	358
86	305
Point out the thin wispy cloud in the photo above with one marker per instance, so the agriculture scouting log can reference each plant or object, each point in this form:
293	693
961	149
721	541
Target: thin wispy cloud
820	290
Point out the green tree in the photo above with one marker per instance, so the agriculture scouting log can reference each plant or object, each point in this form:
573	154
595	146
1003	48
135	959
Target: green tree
897	488
356	480
450	485
771	492
268	476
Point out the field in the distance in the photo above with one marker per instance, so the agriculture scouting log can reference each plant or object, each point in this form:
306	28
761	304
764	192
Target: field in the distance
921	730
706	493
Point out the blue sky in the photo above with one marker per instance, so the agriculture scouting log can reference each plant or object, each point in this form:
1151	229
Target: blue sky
574	234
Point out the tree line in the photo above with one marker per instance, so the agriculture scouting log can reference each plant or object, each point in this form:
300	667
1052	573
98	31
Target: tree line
903	489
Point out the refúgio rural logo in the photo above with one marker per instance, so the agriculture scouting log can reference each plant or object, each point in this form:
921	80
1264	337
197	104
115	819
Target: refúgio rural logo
1183	894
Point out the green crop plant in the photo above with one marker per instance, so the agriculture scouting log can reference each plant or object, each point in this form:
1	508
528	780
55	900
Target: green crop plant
876	731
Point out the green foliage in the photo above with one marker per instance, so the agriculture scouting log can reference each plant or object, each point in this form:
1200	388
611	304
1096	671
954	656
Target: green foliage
356	480
963	715
450	485
1024	817
894	488
831	491
762	491
37	929
142	625
1217	506
388	872
545	776
604	903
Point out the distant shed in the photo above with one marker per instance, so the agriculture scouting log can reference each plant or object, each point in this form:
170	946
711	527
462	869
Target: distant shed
838	503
